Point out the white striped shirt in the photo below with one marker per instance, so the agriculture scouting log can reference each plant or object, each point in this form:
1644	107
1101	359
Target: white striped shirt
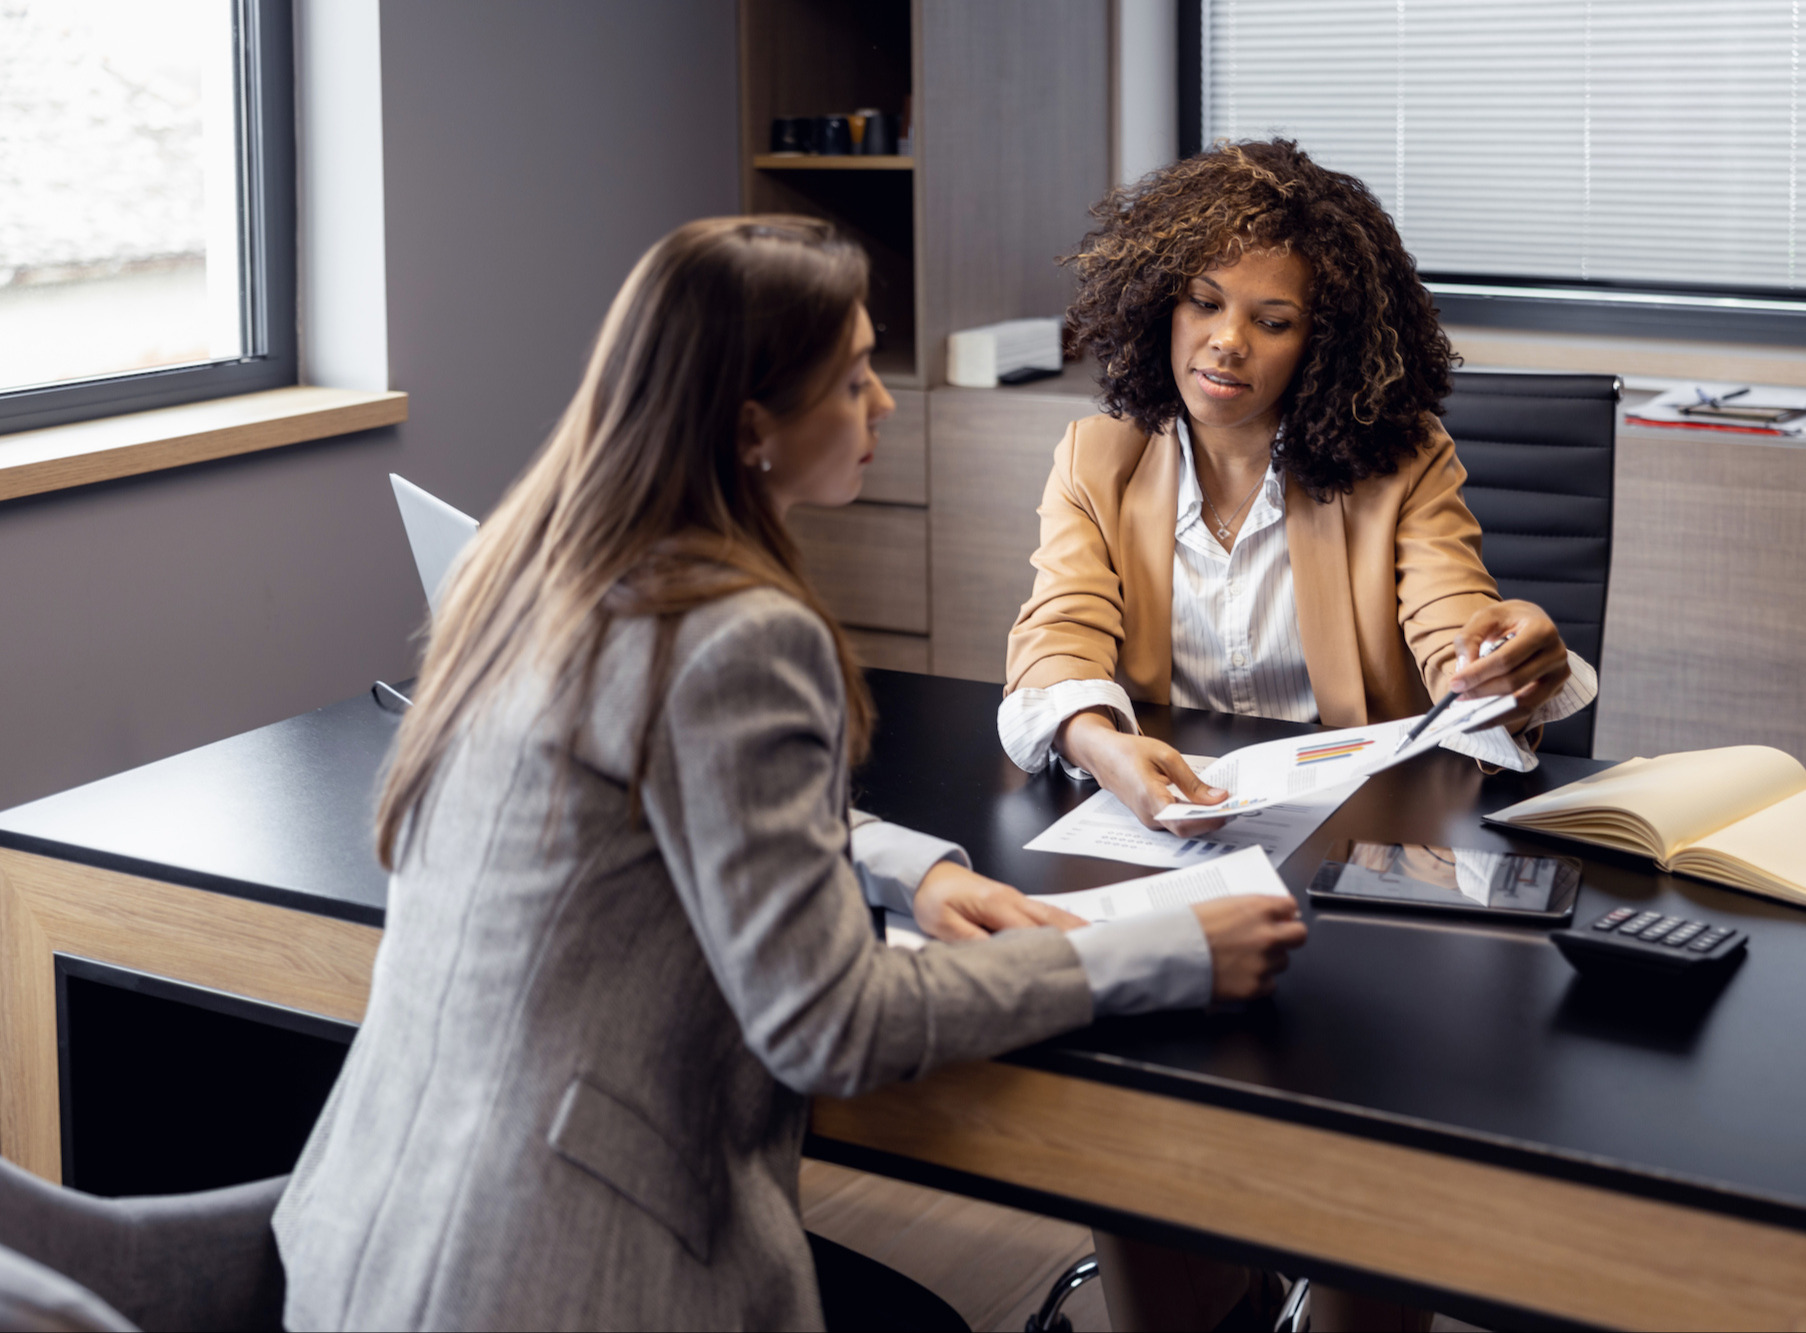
1236	646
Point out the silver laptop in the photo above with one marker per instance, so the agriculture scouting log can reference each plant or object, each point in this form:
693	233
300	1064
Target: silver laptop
436	532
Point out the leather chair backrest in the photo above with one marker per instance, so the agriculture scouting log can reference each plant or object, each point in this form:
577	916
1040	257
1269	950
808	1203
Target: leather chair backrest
1538	453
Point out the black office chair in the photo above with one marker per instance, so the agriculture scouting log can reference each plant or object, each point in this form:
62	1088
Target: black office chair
1538	452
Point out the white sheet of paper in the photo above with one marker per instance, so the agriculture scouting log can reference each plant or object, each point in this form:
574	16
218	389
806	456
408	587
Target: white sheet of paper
1244	872
1103	826
1259	777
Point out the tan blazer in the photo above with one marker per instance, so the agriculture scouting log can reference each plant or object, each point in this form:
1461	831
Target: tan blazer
1384	576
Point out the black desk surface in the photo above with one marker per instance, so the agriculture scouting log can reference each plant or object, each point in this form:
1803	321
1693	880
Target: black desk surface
1473	1039
283	815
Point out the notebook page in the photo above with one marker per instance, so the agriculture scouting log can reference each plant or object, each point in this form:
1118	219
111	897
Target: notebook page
1682	797
1771	841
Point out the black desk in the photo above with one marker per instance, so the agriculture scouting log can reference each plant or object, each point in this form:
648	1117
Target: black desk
1436	1109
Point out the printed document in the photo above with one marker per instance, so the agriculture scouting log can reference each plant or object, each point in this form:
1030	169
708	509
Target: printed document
1104	827
1274	773
1244	872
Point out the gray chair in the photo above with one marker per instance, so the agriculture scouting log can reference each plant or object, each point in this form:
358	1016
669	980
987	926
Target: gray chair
187	1261
1538	450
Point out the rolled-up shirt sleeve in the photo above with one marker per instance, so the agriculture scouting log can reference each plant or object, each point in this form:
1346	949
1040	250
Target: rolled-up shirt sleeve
1144	963
891	860
1028	719
1500	748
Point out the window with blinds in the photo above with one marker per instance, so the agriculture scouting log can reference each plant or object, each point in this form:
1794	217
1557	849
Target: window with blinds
1623	148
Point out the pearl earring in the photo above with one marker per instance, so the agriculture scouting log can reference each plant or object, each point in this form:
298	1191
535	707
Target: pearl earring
764	465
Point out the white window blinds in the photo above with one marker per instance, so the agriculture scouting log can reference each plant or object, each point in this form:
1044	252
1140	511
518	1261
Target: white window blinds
1632	141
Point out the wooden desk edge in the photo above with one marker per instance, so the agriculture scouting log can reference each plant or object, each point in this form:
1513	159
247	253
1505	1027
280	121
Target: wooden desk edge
1568	1250
320	965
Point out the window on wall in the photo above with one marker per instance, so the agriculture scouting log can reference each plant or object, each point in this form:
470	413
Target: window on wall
146	204
1595	165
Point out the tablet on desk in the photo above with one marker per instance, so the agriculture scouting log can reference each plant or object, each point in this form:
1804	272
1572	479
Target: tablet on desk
1469	881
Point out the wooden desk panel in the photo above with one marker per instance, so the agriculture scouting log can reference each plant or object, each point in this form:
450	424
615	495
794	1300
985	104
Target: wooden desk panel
1562	1249
47	907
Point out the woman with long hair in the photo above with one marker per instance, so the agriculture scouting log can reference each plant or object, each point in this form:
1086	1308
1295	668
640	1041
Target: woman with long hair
629	928
1266	519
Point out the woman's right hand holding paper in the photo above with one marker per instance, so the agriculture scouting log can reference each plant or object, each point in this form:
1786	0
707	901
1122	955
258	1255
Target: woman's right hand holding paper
1139	771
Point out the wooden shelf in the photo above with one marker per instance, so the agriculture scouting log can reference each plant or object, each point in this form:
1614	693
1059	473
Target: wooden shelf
806	162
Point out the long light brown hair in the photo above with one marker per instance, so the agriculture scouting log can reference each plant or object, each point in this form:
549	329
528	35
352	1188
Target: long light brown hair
639	504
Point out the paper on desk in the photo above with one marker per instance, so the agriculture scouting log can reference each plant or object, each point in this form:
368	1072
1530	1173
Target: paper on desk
1665	409
1273	773
1244	872
1237	873
1103	826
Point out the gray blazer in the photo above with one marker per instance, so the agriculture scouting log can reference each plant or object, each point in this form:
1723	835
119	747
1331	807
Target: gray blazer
579	1094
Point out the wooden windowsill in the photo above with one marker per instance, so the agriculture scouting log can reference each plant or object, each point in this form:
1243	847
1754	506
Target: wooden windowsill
80	453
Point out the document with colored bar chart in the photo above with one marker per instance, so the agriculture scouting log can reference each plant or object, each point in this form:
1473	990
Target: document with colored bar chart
1279	772
1103	826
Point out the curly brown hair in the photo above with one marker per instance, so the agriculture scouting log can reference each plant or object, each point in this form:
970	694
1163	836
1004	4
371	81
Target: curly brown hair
1377	359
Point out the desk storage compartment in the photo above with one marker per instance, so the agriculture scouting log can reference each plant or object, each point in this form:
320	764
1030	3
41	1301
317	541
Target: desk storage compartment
168	1088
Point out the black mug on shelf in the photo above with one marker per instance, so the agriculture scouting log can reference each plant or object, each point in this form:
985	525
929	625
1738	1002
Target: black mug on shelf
880	138
833	136
791	134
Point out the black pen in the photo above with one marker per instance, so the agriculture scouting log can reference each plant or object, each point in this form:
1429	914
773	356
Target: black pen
1442	705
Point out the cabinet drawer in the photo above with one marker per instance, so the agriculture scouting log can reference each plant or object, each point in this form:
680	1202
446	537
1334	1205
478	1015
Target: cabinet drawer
992	451
869	562
892	652
899	470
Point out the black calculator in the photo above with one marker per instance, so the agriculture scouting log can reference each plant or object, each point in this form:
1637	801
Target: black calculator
1652	943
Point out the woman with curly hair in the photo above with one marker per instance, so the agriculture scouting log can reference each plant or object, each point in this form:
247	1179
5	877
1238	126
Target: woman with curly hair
1267	517
1266	520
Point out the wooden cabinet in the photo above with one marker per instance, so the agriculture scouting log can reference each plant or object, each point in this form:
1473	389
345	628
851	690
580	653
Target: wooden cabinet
990	451
1010	120
1010	125
869	562
899	470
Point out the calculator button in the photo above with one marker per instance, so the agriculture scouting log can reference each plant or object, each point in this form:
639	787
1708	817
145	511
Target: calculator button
1687	930
1660	928
1640	923
1707	942
1614	917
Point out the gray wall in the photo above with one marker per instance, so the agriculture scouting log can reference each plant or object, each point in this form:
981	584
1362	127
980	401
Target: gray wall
532	151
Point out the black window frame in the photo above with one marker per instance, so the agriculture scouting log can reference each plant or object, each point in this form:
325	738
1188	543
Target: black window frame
266	109
1705	313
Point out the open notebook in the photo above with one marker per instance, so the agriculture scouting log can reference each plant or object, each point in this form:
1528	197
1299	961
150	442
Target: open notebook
1736	815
